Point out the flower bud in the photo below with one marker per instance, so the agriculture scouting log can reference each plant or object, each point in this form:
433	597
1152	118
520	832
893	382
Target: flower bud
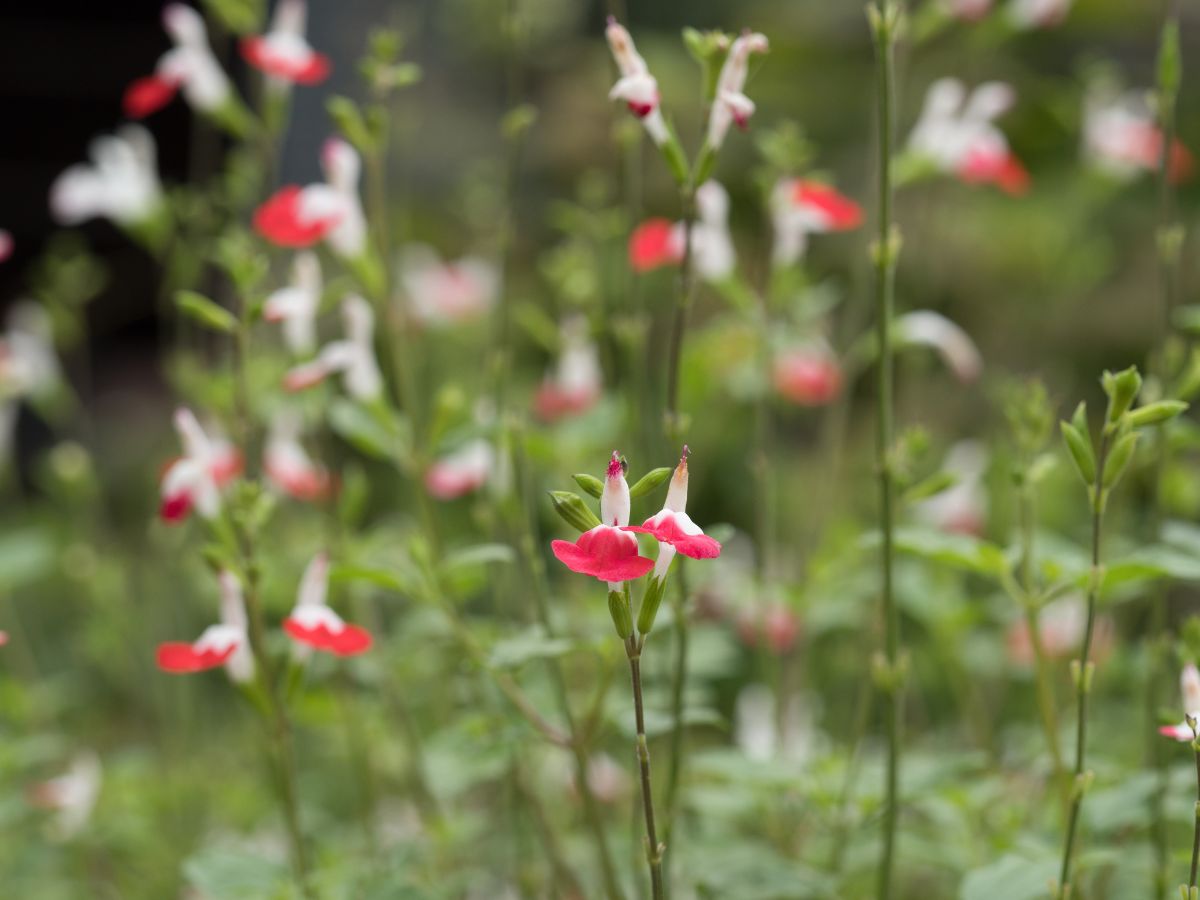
590	483
1118	459
618	608
1156	413
650	604
1121	388
649	482
1080	447
573	510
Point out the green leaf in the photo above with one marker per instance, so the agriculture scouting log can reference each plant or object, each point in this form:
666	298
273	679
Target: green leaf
930	487
25	556
1010	877
1156	413
1150	563
388	579
200	309
378	433
218	872
959	551
649	482
1080	448
529	645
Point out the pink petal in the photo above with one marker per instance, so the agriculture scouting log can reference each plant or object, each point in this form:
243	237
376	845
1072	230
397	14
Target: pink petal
309	69
148	95
653	245
279	220
667	531
180	658
840	212
175	509
604	553
349	641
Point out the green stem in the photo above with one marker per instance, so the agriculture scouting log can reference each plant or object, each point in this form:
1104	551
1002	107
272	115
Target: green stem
1196	816
683	302
675	762
654	850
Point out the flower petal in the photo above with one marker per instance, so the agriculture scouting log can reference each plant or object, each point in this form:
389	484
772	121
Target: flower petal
281	220
350	640
605	553
180	658
148	95
653	245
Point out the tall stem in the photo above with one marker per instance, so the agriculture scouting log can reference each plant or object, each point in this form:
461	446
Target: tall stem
654	850
1083	675
678	684
683	302
1196	817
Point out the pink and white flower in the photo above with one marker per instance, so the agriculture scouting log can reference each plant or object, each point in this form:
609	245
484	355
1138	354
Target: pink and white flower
283	53
120	184
329	211
224	644
607	552
659	242
808	375
762	733
957	134
194	481
636	86
296	305
71	796
189	66
1038	13
1189	687
1060	625
775	626
447	293
462	472
575	383
6	245
800	207
312	624
3	638
1121	137
968	10
955	347
353	356
731	105
963	507
288	466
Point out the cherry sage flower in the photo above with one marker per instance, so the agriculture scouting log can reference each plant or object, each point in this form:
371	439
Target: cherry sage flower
956	134
1121	137
968	10
329	211
71	796
224	644
288	466
462	472
283	53
189	66
1038	13
800	207
120	184
660	242
1060	625
353	356
930	329
575	383
312	624
447	293
636	86
1189	686
963	507
607	552
296	305
3	638
775	627
731	105
194	481
808	375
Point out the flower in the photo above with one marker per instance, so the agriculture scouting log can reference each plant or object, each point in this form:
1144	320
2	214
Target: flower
329	211
353	356
777	627
674	529
295	306
443	293
968	10
730	104
1189	686
287	464
926	328
636	86
1038	13
282	52
313	624
1060	626
29	369
764	732
658	242
3	638
807	375
189	66
955	133
465	470
196	478
227	643
1121	137
607	552
961	508
6	245
120	184
575	383
800	207
72	795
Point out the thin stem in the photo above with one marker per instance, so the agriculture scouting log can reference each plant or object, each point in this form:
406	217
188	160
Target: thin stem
654	850
683	302
675	760
1196	822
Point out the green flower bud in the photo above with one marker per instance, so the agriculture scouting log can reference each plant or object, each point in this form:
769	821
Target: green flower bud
622	618
1080	447
1156	413
650	604
573	510
1122	389
649	482
590	483
1118	459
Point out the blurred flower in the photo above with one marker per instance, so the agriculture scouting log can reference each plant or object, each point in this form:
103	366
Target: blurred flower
606	552
961	508
282	52
6	245
730	104
930	329
762	734
465	470
1060	625
287	464
313	624
331	211
72	795
353	356
775	627
970	10
190	66
607	780
658	242
575	383
120	184
445	293
808	375
29	369
955	133
226	644
3	638
1189	687
801	207
1038	13
636	86
1121	137
296	305
196	478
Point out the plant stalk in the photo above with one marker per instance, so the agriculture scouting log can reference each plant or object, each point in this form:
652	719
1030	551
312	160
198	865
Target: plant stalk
654	850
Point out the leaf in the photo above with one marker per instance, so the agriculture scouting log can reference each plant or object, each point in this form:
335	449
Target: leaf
959	551
387	579
531	644
200	309
1010	877
218	872
25	556
377	433
465	570
1150	564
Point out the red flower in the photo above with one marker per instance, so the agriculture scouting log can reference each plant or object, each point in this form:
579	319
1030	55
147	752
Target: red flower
832	210
3	638
653	244
179	657
224	644
678	530
283	52
284	219
148	95
983	166
313	624
807	378
606	552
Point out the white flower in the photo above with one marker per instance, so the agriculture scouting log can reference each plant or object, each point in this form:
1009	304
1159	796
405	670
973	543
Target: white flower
120	184
353	356
1038	13
636	86
1189	687
441	293
953	345
800	207
575	383
72	795
191	64
961	508
756	730
287	464
730	104
283	53
296	305
195	479
459	473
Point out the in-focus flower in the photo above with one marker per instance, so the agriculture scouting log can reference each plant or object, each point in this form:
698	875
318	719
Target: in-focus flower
1038	13
462	472
607	552
1121	137
1060	625
962	508
194	481
328	211
808	375
353	356
1189	686
659	242
287	464
121	183
313	624
636	86
296	305
282	52
731	105
189	66
225	644
956	134
72	796
575	383
955	347
447	293
800	207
